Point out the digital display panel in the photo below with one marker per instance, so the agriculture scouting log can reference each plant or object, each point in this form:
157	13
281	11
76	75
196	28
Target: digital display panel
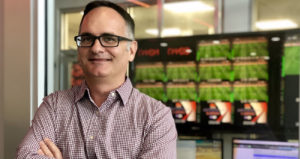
250	47
250	70
215	91
258	149
149	72
217	113
186	91
213	71
244	91
200	149
154	90
292	58
214	49
184	111
252	113
181	71
209	149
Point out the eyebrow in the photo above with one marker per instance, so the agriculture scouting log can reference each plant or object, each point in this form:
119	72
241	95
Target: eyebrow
86	33
90	34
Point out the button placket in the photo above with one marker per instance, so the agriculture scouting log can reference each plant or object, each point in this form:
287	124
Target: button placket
91	136
98	114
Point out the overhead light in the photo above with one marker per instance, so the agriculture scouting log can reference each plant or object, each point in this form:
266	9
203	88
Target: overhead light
152	31
190	6
171	32
139	3
165	32
276	24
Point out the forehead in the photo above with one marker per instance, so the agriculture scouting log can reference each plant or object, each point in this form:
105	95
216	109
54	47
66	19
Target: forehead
103	20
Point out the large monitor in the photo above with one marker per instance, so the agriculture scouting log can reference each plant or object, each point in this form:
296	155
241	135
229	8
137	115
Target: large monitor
200	149
258	149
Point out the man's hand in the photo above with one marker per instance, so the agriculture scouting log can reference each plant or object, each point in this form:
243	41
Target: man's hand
48	148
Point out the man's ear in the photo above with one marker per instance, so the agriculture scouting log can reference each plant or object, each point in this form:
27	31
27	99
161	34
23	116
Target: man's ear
132	50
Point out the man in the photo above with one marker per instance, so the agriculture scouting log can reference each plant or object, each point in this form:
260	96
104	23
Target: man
105	117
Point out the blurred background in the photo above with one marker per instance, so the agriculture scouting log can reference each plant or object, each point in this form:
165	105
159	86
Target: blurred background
255	69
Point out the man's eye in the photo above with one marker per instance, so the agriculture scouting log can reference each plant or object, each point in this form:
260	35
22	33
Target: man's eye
86	38
109	39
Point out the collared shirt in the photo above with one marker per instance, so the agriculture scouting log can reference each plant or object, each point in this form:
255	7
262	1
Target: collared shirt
129	124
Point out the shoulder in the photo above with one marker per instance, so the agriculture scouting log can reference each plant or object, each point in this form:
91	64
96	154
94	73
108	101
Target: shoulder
156	116
62	97
144	101
149	107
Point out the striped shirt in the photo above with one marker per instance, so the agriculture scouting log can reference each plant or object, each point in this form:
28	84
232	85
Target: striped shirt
128	125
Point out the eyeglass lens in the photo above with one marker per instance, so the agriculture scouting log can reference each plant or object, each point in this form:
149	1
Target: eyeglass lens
105	40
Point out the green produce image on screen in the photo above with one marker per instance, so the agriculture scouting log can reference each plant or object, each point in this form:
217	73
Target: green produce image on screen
154	90
292	59
220	70
250	47
181	71
215	91
250	91
213	49
149	72
251	70
181	91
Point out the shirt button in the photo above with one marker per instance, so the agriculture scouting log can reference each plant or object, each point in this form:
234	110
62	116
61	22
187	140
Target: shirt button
91	137
98	114
113	94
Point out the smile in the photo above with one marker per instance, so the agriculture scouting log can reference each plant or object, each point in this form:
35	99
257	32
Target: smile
99	60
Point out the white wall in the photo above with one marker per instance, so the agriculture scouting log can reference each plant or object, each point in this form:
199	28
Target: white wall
15	61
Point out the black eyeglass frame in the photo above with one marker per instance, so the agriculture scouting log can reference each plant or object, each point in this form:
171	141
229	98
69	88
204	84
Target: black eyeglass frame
120	38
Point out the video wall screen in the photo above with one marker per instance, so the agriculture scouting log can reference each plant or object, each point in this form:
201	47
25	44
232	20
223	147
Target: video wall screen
215	71
155	90
213	49
212	81
290	77
150	72
181	71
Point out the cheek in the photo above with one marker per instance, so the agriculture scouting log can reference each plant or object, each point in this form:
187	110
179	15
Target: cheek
80	56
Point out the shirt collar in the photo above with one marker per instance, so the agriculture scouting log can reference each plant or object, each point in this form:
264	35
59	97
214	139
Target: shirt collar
82	88
124	91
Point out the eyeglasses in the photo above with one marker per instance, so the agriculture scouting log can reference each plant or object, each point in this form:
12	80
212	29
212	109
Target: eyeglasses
106	40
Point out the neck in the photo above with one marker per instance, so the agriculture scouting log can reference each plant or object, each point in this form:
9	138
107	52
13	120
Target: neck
100	88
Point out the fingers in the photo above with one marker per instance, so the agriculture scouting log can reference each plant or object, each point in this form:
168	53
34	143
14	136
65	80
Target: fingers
46	151
49	149
53	148
40	152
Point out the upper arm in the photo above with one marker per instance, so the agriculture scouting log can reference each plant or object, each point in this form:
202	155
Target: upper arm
160	140
42	126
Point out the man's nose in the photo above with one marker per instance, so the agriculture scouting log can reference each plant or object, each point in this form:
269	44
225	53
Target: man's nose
96	47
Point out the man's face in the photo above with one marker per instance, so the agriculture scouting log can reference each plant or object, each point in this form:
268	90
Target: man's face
105	62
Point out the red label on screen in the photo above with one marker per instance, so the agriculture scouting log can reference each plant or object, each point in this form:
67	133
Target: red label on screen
149	52
181	51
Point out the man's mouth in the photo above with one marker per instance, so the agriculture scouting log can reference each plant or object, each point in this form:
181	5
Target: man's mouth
99	59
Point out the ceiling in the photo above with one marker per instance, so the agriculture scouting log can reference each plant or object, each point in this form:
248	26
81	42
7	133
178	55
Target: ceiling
190	23
278	9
